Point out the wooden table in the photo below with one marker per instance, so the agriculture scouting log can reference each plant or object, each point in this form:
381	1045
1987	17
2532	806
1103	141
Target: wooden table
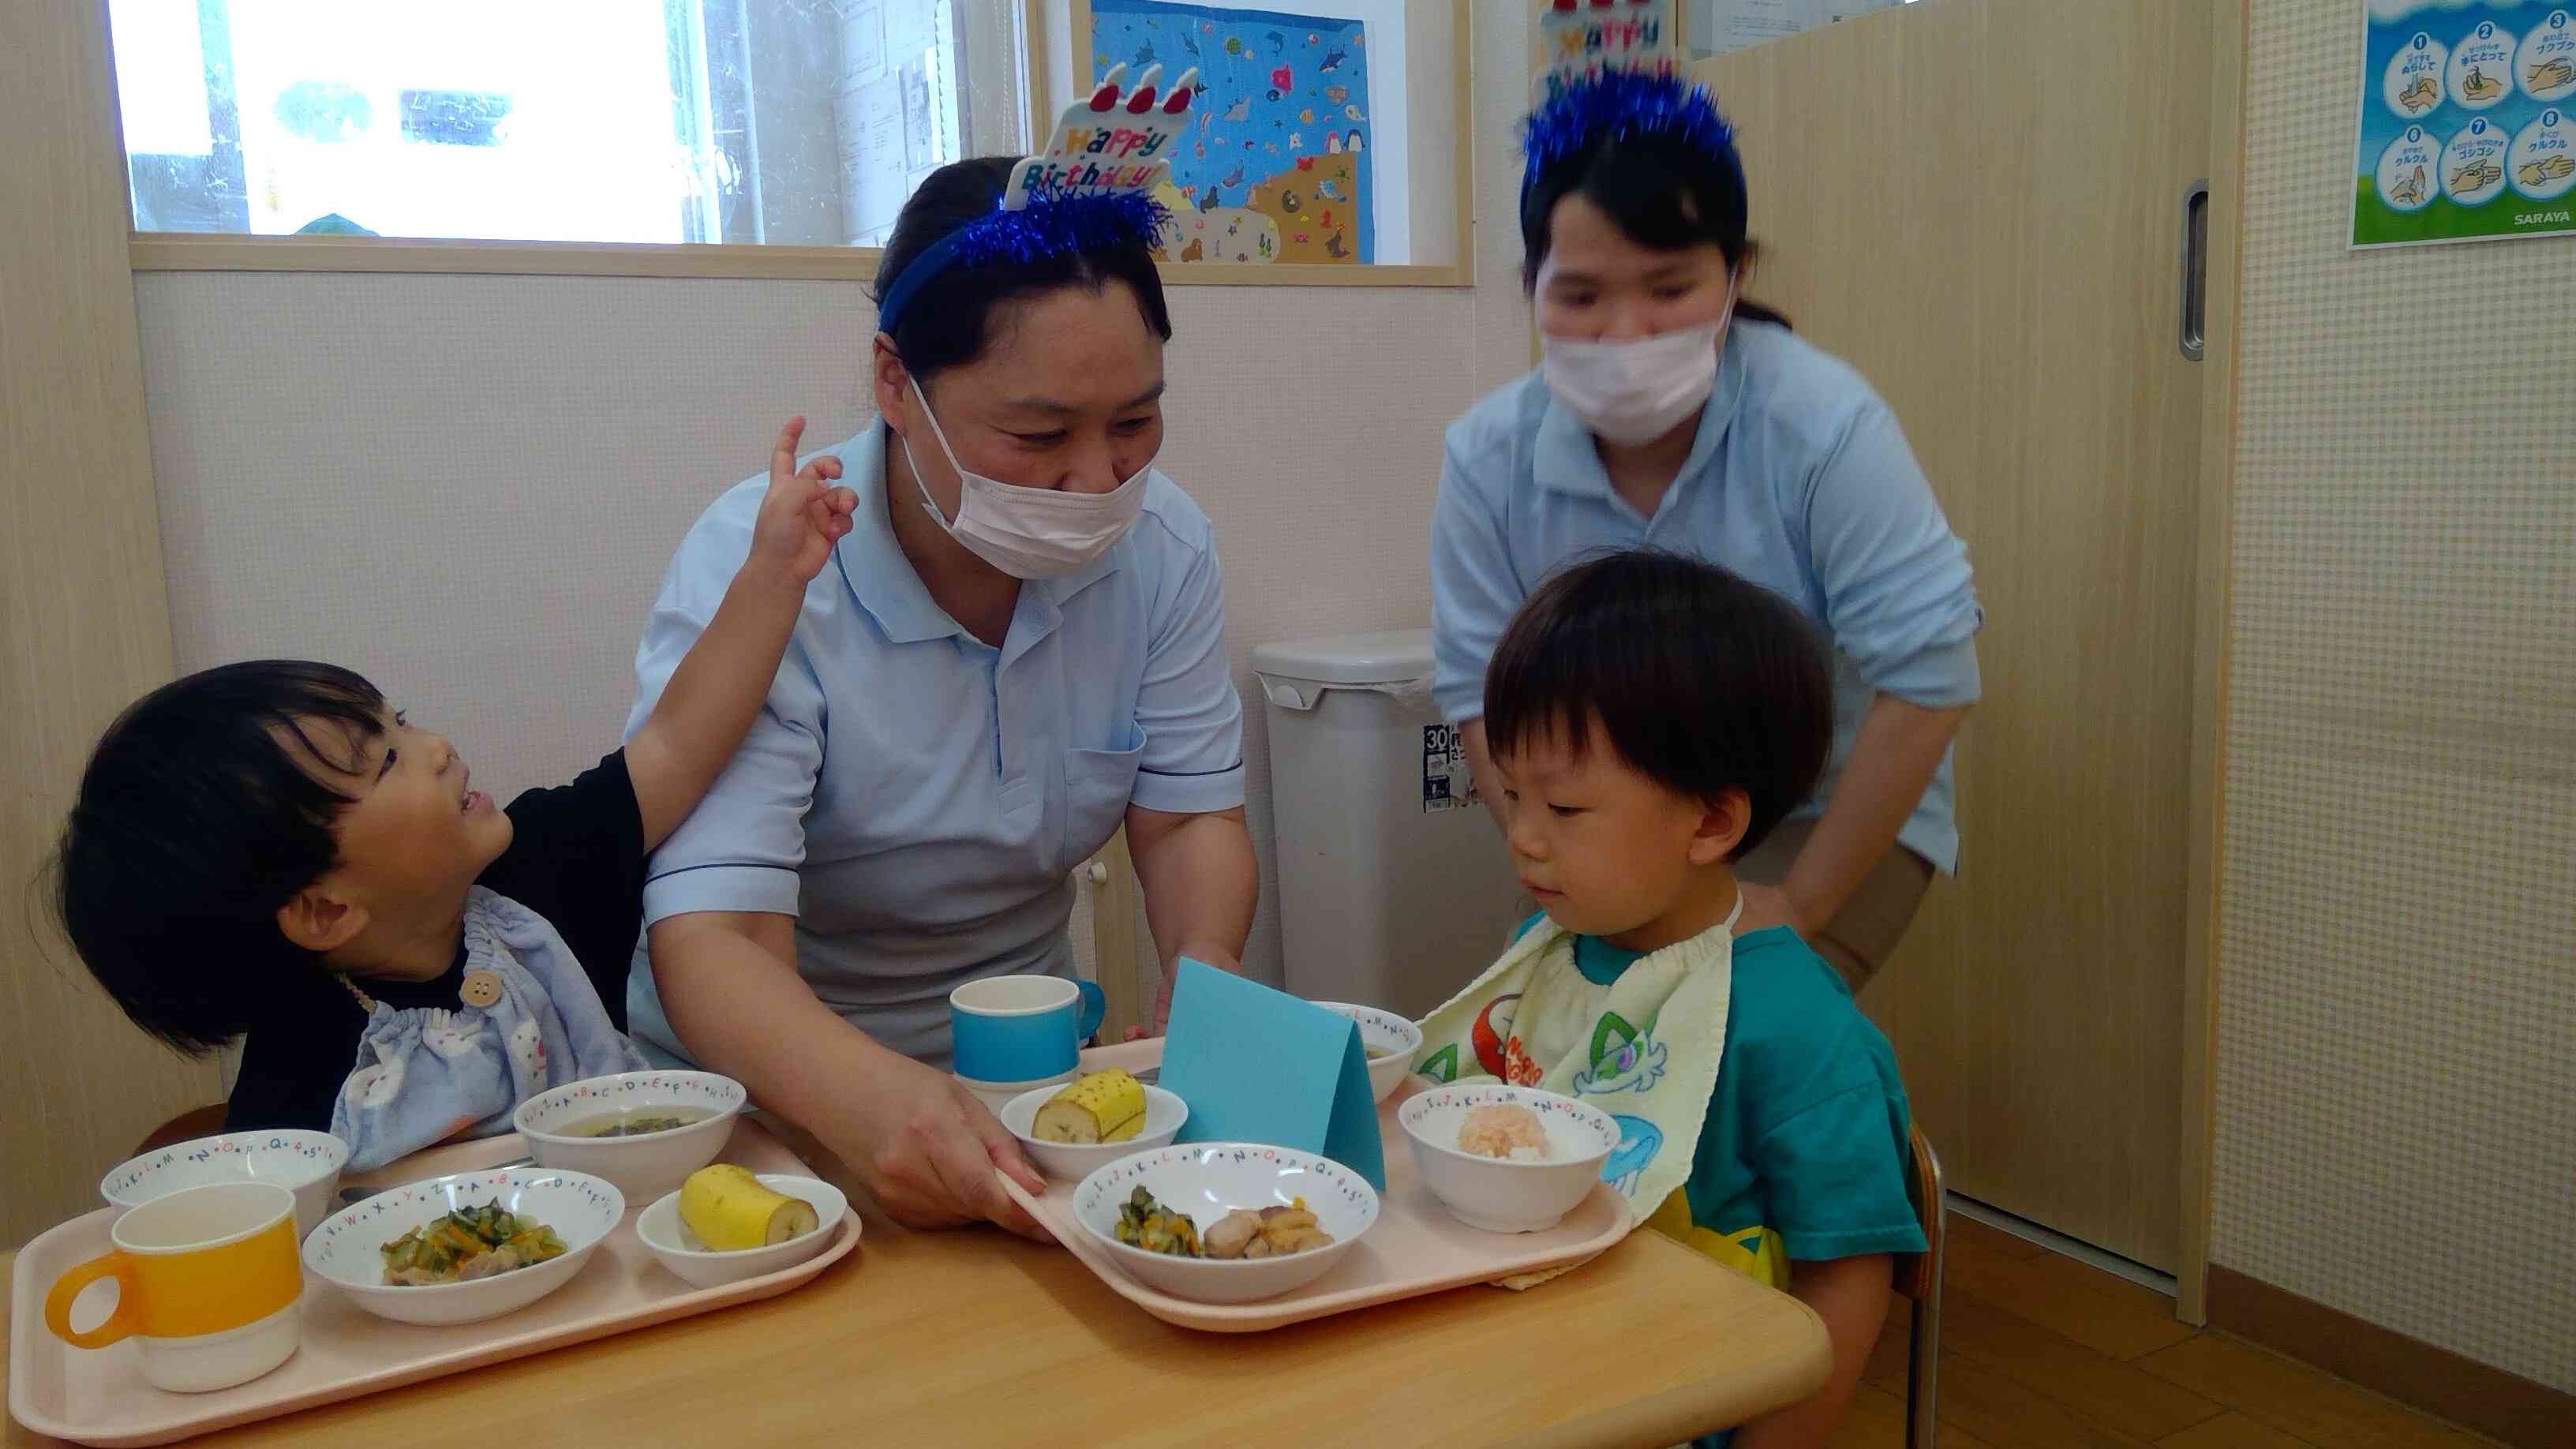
939	1339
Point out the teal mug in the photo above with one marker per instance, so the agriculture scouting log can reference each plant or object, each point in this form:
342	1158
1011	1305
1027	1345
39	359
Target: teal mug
1020	1028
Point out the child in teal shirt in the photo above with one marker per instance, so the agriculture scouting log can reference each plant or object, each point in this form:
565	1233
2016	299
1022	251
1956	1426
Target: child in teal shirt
1651	719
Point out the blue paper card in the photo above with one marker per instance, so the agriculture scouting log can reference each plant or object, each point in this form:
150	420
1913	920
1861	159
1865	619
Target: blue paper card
1257	1065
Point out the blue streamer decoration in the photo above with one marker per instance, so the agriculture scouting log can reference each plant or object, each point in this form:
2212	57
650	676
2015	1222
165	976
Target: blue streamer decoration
1628	105
1053	223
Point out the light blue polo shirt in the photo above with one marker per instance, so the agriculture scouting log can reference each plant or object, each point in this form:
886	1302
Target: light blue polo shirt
919	800
1799	480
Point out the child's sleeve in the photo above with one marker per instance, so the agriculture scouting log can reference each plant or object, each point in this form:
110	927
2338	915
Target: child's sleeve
742	848
1829	1148
1834	1181
576	857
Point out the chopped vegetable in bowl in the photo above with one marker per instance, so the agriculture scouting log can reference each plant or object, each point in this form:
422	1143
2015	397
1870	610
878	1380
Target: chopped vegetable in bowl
1147	1224
464	1246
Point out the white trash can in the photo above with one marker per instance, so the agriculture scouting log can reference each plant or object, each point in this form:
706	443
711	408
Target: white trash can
1394	886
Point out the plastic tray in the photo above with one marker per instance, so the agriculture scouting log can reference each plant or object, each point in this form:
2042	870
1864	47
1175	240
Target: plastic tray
1416	1247
99	1396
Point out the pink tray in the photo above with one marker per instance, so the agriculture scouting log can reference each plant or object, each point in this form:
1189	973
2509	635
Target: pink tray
1416	1247
99	1396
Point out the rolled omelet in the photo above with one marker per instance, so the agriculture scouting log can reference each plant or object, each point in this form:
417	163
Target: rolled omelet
1106	1106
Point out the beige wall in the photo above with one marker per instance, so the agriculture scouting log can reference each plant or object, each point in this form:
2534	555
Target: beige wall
467	487
2397	1072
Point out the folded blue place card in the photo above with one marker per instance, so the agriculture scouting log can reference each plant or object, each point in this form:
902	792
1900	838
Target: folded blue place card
1257	1065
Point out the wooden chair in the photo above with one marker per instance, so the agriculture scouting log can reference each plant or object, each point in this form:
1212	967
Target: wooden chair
196	1122
1117	947
1918	1281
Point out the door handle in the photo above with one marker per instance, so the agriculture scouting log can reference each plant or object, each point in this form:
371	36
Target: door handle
2193	298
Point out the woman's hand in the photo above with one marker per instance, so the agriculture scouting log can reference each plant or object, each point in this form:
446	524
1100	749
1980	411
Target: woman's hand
1892	760
801	516
914	1138
926	1149
1163	998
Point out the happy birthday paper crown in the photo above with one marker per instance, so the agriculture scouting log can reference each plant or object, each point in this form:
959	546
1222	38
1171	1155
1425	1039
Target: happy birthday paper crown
1091	188
1613	70
1585	39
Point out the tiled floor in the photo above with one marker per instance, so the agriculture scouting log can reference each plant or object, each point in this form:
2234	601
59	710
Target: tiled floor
2039	1351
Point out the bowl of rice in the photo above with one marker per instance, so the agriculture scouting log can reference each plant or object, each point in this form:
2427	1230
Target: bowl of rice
1506	1159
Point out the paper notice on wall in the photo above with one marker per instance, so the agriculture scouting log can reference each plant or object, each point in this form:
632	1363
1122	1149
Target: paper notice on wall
872	170
921	140
1717	26
898	109
911	27
863	45
1447	784
2468	123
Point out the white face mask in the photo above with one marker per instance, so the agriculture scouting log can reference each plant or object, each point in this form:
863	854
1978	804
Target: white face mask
1029	533
1635	391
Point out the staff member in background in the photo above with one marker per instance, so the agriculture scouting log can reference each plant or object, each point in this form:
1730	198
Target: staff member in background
1017	649
1667	413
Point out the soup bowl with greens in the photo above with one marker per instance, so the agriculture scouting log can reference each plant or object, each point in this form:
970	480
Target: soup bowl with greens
1392	1044
643	1131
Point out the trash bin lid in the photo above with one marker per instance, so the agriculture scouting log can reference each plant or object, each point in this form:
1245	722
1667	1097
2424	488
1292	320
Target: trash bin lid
1394	656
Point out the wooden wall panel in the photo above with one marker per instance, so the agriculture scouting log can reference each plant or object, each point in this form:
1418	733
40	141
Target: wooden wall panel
84	615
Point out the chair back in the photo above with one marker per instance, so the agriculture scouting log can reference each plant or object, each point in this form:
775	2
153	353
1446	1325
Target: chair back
1916	1273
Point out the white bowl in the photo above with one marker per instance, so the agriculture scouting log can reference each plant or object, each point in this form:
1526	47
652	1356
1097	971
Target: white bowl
702	1267
1071	1162
1387	1032
1495	1194
643	1168
1209	1179
582	1210
305	1163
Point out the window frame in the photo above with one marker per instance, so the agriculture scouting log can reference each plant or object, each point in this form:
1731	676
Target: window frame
988	29
1019	59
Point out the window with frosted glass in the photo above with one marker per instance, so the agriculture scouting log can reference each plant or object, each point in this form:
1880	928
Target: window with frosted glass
796	122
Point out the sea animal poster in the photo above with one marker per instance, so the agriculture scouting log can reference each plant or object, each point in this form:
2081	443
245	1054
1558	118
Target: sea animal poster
2468	122
1276	165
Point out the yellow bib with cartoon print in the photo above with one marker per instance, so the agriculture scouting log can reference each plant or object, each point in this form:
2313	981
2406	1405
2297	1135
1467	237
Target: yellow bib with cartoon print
1645	1049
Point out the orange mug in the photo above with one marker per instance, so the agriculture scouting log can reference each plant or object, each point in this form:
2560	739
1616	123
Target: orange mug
207	1282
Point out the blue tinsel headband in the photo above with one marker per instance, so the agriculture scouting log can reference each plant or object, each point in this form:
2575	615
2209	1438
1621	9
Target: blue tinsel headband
1627	105
1052	224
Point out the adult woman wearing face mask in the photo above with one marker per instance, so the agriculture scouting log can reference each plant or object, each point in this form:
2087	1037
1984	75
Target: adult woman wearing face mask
1017	650
1669	412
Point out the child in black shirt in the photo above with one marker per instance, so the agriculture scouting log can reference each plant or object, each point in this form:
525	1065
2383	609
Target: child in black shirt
268	848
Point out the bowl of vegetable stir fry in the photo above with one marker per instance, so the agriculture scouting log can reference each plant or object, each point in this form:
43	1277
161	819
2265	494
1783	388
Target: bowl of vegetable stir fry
1225	1222
467	1247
